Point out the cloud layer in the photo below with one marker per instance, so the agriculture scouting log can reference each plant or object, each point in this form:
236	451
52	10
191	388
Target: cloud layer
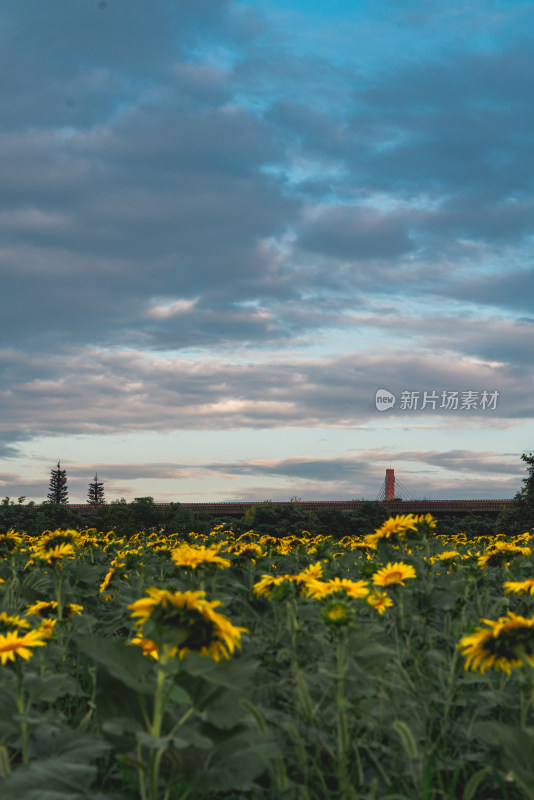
210	222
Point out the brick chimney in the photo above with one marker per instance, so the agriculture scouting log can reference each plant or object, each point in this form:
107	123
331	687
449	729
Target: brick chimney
390	484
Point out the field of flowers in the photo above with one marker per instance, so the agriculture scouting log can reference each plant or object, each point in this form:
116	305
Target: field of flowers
399	665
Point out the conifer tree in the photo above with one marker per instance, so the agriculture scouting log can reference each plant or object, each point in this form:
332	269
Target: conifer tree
518	517
95	496
58	492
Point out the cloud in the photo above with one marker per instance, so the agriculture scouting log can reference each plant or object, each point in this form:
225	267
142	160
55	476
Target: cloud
467	474
211	219
103	392
354	234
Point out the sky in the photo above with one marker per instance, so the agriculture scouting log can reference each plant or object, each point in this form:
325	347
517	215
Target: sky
226	226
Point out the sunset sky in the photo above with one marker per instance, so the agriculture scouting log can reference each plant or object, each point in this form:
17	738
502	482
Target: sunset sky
225	225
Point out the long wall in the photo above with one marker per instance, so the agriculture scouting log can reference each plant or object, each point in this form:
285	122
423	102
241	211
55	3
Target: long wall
457	507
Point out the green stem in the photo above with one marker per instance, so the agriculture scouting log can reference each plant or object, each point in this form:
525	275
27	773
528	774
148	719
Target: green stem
59	599
400	606
292	622
342	731
23	725
5	769
141	775
182	720
155	728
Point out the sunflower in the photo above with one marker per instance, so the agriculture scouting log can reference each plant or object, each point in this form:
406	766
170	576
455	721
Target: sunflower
11	622
500	553
394	574
181	622
502	645
428	519
266	539
337	613
48	609
9	542
46	628
193	557
52	555
379	600
267	583
14	643
518	587
286	545
314	571
447	555
52	539
114	574
319	589
394	526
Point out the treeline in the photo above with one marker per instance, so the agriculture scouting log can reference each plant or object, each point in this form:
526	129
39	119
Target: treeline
270	518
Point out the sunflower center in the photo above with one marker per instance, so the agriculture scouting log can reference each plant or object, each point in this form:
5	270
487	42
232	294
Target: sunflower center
192	628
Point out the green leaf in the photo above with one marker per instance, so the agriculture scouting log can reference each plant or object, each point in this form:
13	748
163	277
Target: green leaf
125	662
69	775
146	739
473	783
50	687
179	696
117	726
231	673
406	737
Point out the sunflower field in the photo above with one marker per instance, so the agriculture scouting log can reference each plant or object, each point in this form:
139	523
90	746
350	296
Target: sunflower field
394	666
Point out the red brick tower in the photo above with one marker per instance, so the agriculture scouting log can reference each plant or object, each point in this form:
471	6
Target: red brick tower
390	484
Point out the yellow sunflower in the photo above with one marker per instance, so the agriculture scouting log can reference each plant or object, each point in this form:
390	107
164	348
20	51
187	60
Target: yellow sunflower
518	587
55	555
9	542
52	539
245	551
48	609
14	643
447	555
426	518
319	589
502	645
337	614
193	557
501	552
394	574
12	622
183	622
314	571
265	586
379	600
394	526
46	628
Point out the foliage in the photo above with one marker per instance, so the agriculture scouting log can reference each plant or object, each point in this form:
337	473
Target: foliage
95	495
342	670
58	492
281	520
517	517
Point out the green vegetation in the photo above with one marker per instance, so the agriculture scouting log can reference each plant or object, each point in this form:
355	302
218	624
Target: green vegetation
229	666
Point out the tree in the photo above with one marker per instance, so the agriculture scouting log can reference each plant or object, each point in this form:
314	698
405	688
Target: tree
519	516
58	492
369	516
280	520
95	495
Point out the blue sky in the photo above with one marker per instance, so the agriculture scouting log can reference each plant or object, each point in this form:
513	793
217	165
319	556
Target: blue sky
224	226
